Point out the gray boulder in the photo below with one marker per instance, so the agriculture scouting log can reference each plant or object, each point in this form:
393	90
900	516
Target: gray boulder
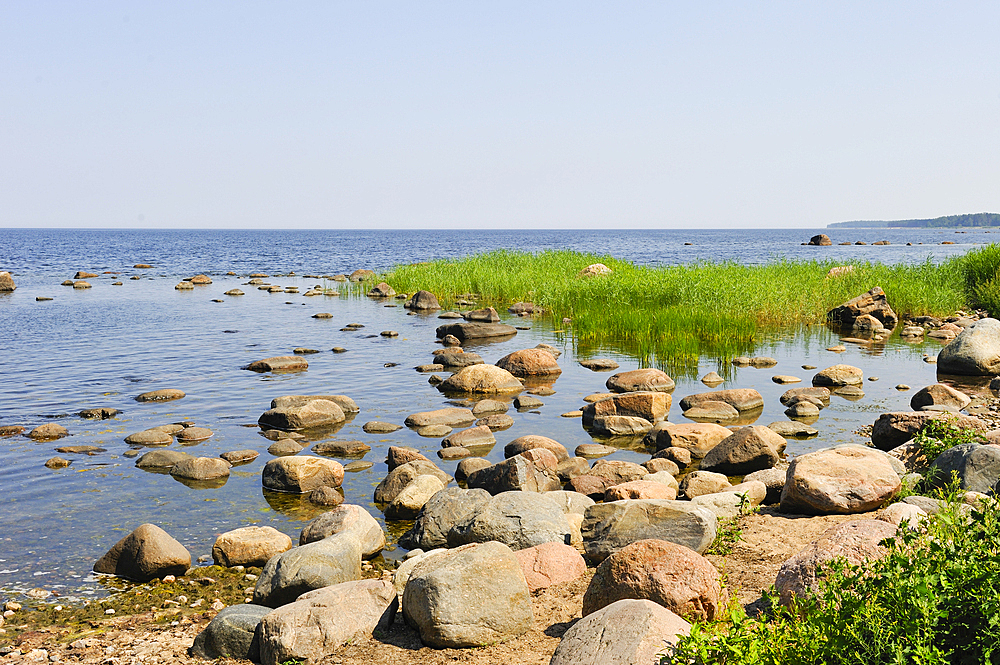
626	632
774	481
422	301
846	479
939	394
894	429
147	553
349	520
517	519
442	512
475	330
974	352
977	468
301	474
873	303
322	621
468	597
161	459
747	450
608	527
296	416
6	282
516	473
231	634
323	563
397	479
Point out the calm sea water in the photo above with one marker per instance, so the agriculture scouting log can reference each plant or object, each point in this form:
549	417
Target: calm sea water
103	346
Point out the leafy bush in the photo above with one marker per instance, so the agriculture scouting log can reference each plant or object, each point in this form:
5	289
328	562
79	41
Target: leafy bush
933	600
938	435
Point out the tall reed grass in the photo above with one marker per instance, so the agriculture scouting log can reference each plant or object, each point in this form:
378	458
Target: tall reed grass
671	315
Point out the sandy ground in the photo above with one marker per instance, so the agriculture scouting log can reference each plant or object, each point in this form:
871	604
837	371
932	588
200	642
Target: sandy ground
768	539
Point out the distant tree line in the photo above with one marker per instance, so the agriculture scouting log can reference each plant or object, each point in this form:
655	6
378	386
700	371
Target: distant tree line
948	221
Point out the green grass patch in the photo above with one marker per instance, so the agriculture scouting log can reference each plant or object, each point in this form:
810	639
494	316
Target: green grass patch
934	599
669	316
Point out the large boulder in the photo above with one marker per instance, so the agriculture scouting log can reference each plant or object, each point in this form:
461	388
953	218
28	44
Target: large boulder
974	352
856	541
516	519
302	415
697	438
346	519
474	437
322	621
442	512
397	479
481	380
873	303
648	405
145	554
626	632
231	634
845	479
323	563
346	404
249	546
451	416
468	597
977	468
938	395
672	575
894	429
408	502
838	376
530	362
821	240
741	399
422	301
279	364
516	473
301	473
201	468
550	563
381	290
746	450
531	441
608	527
6	282
640	380
467	330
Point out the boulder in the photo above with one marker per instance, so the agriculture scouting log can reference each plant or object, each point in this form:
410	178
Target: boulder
570	502
147	553
818	393
100	413
620	426
599	364
482	380
741	399
872	304
530	441
648	405
346	404
468	597
626	632
640	489
422	301
467	330
442	512
697	438
977	468
901	512
792	429
939	394
712	412
342	448
594	270
455	360
474	437
403	475
608	527
640	380
279	364
161	459
377	427
484	315
6	282
347	519
452	417
821	240
400	455
201	468
468	465
894	429
974	352
530	362
231	634
326	562
666	573
194	434
149	437
615	472
571	468
856	541
516	519
845	479
249	546
746	450
516	473
320	622
838	376
407	504
48	432
361	275
301	473
701	482
550	563
163	395
313	413
773	481
381	290
658	464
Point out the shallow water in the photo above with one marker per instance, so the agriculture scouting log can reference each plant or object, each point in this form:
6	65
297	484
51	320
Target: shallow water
105	345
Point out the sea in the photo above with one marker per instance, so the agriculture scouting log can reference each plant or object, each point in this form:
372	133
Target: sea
102	346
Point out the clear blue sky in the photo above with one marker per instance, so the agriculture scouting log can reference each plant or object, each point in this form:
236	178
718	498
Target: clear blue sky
496	114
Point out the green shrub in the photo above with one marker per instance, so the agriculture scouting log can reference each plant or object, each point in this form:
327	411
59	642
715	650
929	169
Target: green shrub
933	600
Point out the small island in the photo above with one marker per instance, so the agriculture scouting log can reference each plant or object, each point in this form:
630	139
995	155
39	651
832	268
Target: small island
946	222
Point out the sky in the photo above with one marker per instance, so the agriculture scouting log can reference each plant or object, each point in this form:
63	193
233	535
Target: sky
472	115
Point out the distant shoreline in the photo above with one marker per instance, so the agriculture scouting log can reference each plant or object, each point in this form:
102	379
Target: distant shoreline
974	220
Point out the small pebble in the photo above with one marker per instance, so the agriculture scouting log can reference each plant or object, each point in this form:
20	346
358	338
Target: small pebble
109	611
873	378
902	386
